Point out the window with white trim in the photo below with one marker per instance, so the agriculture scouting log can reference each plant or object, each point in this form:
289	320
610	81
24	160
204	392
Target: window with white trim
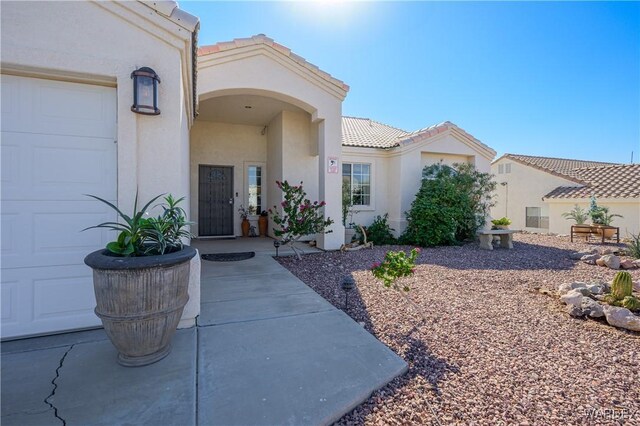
500	169
507	168
357	177
255	201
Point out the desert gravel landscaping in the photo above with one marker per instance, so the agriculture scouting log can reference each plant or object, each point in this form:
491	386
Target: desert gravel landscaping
491	349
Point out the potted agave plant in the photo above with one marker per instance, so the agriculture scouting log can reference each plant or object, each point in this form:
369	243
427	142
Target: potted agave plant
601	219
141	280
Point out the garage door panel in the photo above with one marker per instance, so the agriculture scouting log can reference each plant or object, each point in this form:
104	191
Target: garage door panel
79	110
57	145
9	302
56	107
10	163
51	232
41	167
49	304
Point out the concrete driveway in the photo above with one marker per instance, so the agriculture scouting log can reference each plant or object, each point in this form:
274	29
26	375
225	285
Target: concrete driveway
267	350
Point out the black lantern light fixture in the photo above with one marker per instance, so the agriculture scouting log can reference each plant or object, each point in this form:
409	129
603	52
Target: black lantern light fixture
276	244
145	91
348	284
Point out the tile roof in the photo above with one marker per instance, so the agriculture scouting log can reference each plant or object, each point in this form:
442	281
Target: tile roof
367	133
563	167
363	132
262	39
614	181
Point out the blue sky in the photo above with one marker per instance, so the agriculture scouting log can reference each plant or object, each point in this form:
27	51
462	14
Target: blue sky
552	79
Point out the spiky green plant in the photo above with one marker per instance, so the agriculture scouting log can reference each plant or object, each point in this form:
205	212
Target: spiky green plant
631	303
621	286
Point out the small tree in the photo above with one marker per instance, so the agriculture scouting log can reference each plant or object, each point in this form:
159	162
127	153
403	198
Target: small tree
298	216
451	205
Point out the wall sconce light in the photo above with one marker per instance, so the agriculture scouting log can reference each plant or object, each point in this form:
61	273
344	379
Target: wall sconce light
145	91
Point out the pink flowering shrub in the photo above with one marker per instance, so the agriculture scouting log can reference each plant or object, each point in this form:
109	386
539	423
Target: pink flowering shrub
396	264
297	216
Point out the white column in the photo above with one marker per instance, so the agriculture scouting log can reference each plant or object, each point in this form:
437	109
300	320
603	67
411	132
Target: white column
330	184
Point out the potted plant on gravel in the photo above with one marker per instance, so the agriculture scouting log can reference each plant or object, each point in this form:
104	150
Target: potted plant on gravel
502	223
601	219
579	216
141	280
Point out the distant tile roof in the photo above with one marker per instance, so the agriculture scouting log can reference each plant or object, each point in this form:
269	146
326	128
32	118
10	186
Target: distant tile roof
262	39
563	167
614	181
367	133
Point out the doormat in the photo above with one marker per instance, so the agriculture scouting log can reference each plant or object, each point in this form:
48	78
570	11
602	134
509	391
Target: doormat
229	257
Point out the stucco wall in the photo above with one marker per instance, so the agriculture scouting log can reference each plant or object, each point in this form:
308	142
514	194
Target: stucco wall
525	188
224	144
97	46
629	209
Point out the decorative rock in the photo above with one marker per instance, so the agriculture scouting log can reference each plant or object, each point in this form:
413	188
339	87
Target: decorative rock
596	288
590	258
607	251
592	308
622	317
574	311
636	286
637	263
600	262
572	298
612	261
628	264
565	288
580	254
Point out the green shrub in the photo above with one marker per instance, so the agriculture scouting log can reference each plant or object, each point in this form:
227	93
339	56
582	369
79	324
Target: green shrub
379	232
451	205
396	265
633	247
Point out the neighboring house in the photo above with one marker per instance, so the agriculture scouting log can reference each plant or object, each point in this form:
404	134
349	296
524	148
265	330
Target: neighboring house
616	187
534	191
263	114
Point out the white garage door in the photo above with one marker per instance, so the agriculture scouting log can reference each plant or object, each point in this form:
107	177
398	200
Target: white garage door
58	143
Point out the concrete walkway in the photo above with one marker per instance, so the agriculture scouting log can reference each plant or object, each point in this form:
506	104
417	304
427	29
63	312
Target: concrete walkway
267	351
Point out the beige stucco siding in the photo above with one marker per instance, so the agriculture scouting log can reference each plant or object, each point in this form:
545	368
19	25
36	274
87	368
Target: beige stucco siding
629	209
306	139
103	43
525	188
224	144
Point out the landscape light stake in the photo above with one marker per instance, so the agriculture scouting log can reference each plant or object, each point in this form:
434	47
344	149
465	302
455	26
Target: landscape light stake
276	244
348	284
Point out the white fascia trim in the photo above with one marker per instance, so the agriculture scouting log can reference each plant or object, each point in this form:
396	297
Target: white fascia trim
245	52
489	154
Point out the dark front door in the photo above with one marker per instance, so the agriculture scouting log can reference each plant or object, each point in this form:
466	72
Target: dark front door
215	205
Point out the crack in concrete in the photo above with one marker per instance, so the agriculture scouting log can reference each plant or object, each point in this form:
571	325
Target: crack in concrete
55	387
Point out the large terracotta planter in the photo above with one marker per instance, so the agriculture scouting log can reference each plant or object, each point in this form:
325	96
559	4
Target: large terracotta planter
140	301
245	226
263	224
582	230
